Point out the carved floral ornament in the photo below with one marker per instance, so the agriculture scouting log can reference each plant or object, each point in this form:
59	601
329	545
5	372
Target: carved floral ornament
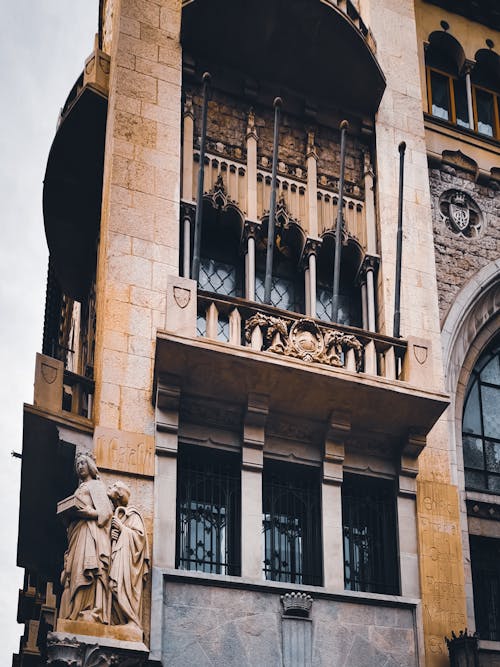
304	339
460	213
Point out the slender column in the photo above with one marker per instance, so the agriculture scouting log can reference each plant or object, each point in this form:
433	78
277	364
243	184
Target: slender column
250	233
344	126
312	185
468	88
370	218
309	259
187	152
251	486
333	543
364	304
186	246
252	140
367	281
407	516
165	488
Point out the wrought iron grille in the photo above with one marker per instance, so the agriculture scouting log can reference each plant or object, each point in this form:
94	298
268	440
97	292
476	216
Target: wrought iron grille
485	561
208	511
217	277
291	524
481	423
369	526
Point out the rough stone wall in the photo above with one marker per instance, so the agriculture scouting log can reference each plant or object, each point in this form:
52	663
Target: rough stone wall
227	122
458	258
208	625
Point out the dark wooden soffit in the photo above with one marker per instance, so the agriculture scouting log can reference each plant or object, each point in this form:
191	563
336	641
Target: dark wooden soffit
486	12
308	46
72	190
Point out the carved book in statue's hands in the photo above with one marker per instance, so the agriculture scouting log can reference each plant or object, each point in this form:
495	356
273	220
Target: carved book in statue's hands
68	507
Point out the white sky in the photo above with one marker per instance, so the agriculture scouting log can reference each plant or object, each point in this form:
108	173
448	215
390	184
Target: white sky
42	51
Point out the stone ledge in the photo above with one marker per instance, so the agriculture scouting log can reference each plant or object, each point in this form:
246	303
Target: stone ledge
66	649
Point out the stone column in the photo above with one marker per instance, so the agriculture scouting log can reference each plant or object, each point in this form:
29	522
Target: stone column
407	516
370	215
252	140
312	185
251	486
310	278
367	276
468	87
333	544
250	233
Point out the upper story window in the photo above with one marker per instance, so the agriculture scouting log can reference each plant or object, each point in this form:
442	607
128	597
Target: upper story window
291	523
208	511
481	423
485	89
370	544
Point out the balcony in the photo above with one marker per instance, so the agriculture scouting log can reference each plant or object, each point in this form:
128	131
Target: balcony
227	348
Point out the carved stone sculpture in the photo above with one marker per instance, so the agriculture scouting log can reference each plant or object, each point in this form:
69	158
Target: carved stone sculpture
129	559
86	562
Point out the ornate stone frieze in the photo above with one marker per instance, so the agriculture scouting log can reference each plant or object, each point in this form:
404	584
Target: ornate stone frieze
304	339
460	213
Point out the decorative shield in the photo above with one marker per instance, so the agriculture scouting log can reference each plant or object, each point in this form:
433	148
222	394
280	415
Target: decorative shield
182	296
459	215
306	339
49	373
420	353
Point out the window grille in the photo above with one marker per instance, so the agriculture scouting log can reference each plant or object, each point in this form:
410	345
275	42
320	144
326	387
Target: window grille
485	561
208	511
291	524
369	526
217	277
481	423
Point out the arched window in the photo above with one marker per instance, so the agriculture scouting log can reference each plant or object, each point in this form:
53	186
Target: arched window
350	295
446	89
481	423
486	84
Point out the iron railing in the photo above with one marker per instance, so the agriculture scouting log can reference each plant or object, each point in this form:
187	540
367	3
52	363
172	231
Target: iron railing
369	526
291	524
485	560
208	511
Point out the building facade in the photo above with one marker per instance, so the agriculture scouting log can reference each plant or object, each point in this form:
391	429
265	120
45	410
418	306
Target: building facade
295	475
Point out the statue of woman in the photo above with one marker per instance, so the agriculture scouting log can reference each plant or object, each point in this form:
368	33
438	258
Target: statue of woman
86	561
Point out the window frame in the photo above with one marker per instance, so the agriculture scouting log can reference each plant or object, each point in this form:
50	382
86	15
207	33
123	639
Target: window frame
451	93
496	118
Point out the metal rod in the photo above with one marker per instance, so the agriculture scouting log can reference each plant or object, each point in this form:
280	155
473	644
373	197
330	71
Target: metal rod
399	247
195	266
272	207
344	126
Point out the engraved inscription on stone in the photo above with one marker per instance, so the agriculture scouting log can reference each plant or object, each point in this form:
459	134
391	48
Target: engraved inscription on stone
124	451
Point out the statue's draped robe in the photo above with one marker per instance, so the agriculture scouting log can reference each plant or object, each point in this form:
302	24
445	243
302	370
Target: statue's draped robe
87	559
129	567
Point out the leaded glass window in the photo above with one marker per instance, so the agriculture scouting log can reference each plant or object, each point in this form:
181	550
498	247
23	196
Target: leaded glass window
369	527
481	423
291	524
217	277
208	511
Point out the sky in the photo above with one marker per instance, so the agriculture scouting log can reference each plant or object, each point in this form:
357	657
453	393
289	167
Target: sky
43	48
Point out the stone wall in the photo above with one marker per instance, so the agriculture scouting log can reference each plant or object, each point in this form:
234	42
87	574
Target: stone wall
459	258
209	625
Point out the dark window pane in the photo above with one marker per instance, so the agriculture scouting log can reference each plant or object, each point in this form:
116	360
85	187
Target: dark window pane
485	562
291	524
490	398
494	483
472	413
217	277
491	372
475	480
473	452
201	325
485	113
461	107
440	96
223	328
284	293
492	450
208	514
369	526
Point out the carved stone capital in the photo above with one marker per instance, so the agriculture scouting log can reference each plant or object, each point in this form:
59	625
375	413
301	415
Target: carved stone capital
63	650
467	67
311	147
251	229
311	247
369	263
251	131
188	106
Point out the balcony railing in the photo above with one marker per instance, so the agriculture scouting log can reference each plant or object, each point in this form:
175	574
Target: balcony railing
268	329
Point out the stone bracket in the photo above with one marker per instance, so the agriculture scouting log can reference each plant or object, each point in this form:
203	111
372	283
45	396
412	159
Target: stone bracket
167	416
339	428
254	424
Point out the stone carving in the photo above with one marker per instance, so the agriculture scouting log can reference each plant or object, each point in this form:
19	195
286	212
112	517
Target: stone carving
304	339
86	562
460	213
129	559
297	604
66	651
107	560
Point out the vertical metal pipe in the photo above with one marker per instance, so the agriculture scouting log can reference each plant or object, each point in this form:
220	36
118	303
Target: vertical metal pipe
272	208
195	267
344	126
399	247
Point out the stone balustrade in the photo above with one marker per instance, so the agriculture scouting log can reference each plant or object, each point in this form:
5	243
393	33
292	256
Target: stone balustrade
267	329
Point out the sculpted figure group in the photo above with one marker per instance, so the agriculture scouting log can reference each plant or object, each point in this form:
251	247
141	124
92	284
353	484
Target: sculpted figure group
107	560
